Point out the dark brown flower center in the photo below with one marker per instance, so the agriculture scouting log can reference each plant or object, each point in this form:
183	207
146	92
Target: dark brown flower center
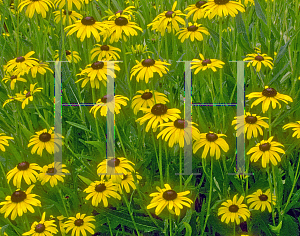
97	65
40	228
104	48
124	177
23	165
259	58
233	208
107	98
221	2
265	147
45	137
68	53
13	77
200	4
251	119
78	222
263	197
192	28
113	162
169	14
159	109
100	188
121	21
269	92
180	124
69	12
148	62
51	171
28	94
206	61
89	20
18	196
211	137
169	195
147	95
20	59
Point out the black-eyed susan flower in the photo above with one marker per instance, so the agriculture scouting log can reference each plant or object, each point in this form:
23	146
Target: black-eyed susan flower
113	104
261	201
120	28
4	141
295	126
71	56
175	132
193	31
145	69
13	79
85	27
62	16
170	198
158	114
100	191
43	227
10	99
146	99
268	151
222	8
212	142
61	3
40	68
250	123
38	6
257	59
23	170
127	12
139	49
53	173
19	202
268	96
27	95
20	65
232	211
205	64
105	52
114	168
127	181
196	9
44	139
168	20
79	224
97	72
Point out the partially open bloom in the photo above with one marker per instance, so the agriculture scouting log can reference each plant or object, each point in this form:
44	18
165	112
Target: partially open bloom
222	8
139	49
261	201
4	141
205	64
267	151
268	96
193	31
167	197
295	126
53	173
196	9
40	68
72	56
127	12
27	95
105	52
127	181
42	228
38	6
13	79
257	59
73	17
79	224
61	3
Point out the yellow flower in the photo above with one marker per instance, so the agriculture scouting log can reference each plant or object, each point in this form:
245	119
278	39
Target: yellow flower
139	49
196	9
260	200
42	228
27	95
205	64
193	31
80	224
72	56
40	6
296	128
127	181
222	8
61	3
10	77
4	141
40	68
105	52
49	173
257	59
73	16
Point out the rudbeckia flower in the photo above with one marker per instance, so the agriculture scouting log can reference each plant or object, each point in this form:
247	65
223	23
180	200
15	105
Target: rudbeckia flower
170	198
139	49
80	224
261	201
193	31
44	139
40	68
85	27
113	104
10	77
205	64
196	9
158	114
40	6
146	99
222	8
71	56
19	202
62	16
4	140
105	52
61	3
127	12
49	173
147	67
43	228
175	132
295	126
127	181
232	211
268	96
23	170
27	95
257	59
120	28
267	150
251	123
212	142
168	20
101	191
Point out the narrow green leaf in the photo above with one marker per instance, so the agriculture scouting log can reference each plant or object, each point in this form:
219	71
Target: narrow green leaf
85	180
188	229
282	52
259	12
79	126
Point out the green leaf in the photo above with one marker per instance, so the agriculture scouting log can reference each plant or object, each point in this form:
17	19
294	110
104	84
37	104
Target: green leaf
85	180
188	229
259	12
276	229
79	126
241	29
289	227
294	200
282	52
99	145
185	219
188	180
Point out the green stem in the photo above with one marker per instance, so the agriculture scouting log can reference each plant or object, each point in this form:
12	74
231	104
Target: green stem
40	115
122	145
170	220
271	191
276	194
110	230
126	68
220	54
160	163
62	199
180	168
157	158
233	229
97	126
